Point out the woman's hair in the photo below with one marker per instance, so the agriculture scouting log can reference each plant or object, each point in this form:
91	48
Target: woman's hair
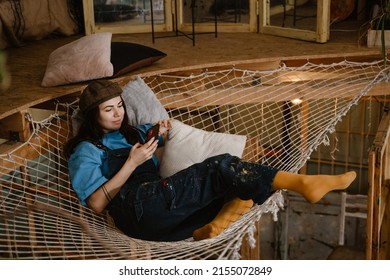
90	130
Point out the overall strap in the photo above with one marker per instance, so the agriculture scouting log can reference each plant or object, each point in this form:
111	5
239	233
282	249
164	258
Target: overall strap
100	145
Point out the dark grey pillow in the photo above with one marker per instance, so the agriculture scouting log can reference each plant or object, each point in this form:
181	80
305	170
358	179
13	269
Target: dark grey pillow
127	57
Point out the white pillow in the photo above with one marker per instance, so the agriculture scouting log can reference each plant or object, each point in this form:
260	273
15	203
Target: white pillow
85	59
187	145
142	105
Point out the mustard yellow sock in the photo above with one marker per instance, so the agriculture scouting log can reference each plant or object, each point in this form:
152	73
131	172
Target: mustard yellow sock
313	187
229	213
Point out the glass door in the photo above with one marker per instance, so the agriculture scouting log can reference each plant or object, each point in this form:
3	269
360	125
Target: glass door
136	16
127	16
229	15
300	19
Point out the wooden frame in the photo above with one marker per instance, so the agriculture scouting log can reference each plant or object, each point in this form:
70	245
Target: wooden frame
321	35
92	27
378	212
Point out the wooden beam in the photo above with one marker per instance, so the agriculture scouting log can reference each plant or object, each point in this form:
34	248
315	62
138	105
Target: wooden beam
253	95
382	136
380	89
24	152
371	194
89	19
323	21
15	127
377	220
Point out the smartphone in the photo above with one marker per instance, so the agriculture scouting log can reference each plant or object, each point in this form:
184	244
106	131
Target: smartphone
152	132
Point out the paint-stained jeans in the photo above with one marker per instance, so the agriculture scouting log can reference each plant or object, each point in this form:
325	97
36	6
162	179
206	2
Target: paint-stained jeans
151	208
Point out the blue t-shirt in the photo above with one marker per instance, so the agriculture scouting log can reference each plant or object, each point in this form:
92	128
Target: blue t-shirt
88	167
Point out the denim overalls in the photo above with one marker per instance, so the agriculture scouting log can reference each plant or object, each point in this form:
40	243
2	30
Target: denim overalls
151	208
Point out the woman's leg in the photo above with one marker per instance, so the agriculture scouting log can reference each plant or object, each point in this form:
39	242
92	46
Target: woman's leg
256	181
312	187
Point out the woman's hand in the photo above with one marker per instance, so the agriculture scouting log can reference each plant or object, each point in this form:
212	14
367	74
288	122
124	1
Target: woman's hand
139	153
165	125
142	152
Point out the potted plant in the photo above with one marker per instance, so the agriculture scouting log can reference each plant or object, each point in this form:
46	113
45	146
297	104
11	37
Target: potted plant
378	34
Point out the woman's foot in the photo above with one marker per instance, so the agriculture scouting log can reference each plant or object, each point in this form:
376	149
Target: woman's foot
229	213
312	187
207	231
316	186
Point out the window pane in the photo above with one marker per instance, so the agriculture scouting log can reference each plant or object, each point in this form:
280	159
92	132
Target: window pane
129	12
299	14
227	11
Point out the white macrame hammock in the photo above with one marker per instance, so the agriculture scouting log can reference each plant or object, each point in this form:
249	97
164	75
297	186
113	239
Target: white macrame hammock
41	217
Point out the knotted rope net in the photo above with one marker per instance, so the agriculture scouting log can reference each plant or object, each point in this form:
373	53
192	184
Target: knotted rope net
285	114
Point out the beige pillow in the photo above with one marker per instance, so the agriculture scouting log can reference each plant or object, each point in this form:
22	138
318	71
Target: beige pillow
187	145
85	59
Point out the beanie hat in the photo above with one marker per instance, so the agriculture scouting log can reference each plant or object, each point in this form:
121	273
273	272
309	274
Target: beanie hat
96	93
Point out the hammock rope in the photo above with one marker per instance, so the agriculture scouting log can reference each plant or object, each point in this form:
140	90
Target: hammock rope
41	217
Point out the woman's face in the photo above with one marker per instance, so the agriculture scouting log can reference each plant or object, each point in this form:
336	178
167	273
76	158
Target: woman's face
111	114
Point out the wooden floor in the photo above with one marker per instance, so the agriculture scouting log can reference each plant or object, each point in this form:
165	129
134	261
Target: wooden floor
27	64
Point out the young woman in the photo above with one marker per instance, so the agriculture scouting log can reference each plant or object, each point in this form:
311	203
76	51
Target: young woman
112	167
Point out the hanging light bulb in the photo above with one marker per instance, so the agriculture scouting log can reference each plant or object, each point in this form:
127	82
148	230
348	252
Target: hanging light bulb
296	101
